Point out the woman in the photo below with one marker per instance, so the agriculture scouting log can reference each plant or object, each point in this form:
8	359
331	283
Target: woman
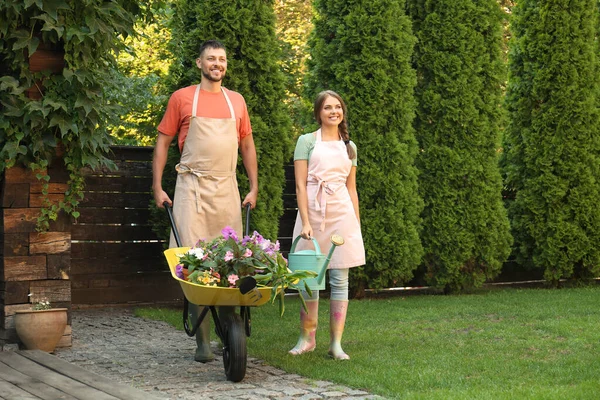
325	170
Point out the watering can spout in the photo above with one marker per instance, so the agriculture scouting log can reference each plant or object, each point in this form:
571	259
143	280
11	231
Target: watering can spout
336	240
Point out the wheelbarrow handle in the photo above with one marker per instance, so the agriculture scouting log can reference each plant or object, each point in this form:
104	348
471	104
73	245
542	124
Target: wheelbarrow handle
172	220
247	225
176	233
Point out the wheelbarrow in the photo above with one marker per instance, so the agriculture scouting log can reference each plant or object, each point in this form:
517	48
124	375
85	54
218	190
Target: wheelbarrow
234	328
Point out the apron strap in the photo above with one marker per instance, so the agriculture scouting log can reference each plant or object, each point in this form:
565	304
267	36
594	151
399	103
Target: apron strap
195	103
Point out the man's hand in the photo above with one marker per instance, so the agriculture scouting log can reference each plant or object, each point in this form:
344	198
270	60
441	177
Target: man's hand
251	198
160	196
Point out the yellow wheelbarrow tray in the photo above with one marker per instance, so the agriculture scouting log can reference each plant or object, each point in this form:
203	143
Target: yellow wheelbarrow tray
214	295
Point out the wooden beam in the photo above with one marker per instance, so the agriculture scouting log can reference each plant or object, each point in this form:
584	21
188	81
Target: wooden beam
49	242
25	268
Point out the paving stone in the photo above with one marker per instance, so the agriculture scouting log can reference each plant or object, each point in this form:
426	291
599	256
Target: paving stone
155	357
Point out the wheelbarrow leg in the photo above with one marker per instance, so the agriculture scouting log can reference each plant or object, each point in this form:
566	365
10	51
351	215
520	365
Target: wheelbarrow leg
203	351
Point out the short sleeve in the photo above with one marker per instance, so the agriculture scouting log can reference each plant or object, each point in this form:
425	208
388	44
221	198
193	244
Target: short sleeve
170	123
355	159
304	146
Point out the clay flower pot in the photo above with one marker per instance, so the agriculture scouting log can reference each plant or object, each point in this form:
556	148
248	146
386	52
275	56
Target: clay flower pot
41	329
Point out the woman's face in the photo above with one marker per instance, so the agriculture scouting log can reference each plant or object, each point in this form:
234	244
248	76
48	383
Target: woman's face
332	113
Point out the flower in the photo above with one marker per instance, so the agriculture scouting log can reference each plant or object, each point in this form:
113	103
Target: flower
42	304
226	260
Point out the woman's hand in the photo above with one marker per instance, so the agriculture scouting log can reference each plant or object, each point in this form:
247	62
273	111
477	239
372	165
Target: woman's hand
307	231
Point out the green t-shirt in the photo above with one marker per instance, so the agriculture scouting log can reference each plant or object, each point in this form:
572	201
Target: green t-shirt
306	144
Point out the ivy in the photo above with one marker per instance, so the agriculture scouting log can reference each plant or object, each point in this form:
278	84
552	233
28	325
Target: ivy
71	115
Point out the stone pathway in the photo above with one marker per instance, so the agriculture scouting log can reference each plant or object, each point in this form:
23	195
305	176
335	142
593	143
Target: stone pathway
155	357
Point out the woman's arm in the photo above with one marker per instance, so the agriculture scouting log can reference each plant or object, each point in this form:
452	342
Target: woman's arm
301	174
351	185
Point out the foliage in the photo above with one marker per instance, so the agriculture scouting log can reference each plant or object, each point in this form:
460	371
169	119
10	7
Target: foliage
73	109
551	145
226	260
247	29
361	49
494	344
41	304
139	82
459	64
294	23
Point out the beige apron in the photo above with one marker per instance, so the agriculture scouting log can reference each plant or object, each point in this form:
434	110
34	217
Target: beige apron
330	208
207	197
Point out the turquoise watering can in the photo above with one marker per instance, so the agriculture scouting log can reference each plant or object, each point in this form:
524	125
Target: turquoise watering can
312	260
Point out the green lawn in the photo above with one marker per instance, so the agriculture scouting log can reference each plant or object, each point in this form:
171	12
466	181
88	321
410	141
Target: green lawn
495	344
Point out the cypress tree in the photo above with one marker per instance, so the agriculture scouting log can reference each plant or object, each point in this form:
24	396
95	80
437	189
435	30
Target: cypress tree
551	145
458	59
361	49
247	29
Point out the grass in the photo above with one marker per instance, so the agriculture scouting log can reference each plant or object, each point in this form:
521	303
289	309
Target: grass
494	344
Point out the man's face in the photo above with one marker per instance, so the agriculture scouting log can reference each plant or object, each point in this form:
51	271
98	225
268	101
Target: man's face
213	64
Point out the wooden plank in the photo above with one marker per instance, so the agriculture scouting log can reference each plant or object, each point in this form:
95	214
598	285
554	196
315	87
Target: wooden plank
169	291
115	265
121	233
21	175
15	244
53	290
118	390
20	219
10	391
37	200
124	168
139	250
114	216
14	292
55	188
118	200
25	268
16	385
142	153
39	372
49	242
117	183
58	266
15	195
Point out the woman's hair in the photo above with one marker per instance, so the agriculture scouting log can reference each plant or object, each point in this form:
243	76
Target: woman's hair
343	126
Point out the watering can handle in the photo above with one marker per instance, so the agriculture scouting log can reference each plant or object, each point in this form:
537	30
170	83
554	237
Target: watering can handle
317	248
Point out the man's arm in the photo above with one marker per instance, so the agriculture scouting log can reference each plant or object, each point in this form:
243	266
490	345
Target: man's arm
159	160
248	151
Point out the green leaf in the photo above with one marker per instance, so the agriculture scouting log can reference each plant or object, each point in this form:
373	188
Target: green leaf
22	37
52	7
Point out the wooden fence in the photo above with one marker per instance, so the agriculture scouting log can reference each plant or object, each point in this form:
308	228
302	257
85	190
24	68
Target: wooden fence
115	255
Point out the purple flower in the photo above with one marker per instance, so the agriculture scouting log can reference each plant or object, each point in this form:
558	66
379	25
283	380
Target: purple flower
229	232
179	271
228	256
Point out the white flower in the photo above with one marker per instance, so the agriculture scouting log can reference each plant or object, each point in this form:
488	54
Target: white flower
197	252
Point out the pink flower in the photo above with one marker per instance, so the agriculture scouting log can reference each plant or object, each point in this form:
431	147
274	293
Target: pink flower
232	279
247	253
229	232
228	256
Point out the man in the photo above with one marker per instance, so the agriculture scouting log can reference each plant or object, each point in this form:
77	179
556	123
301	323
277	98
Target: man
212	123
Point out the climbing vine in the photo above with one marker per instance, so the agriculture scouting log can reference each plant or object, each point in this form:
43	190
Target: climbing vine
44	111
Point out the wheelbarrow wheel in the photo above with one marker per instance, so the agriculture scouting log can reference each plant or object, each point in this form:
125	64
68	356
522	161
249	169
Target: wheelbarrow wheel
234	348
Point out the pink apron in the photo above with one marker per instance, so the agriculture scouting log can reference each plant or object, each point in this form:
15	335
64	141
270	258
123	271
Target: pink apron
330	208
206	193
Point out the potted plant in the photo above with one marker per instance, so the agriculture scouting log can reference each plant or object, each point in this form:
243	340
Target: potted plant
42	326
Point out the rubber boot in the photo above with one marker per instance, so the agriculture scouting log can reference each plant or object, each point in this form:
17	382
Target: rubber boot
308	328
337	320
203	351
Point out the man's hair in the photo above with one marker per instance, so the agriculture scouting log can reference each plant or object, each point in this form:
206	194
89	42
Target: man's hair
211	44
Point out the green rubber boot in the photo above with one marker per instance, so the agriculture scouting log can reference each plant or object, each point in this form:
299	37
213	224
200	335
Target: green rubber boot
203	351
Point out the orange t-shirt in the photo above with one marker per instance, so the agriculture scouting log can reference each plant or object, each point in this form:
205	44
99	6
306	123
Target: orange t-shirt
210	105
